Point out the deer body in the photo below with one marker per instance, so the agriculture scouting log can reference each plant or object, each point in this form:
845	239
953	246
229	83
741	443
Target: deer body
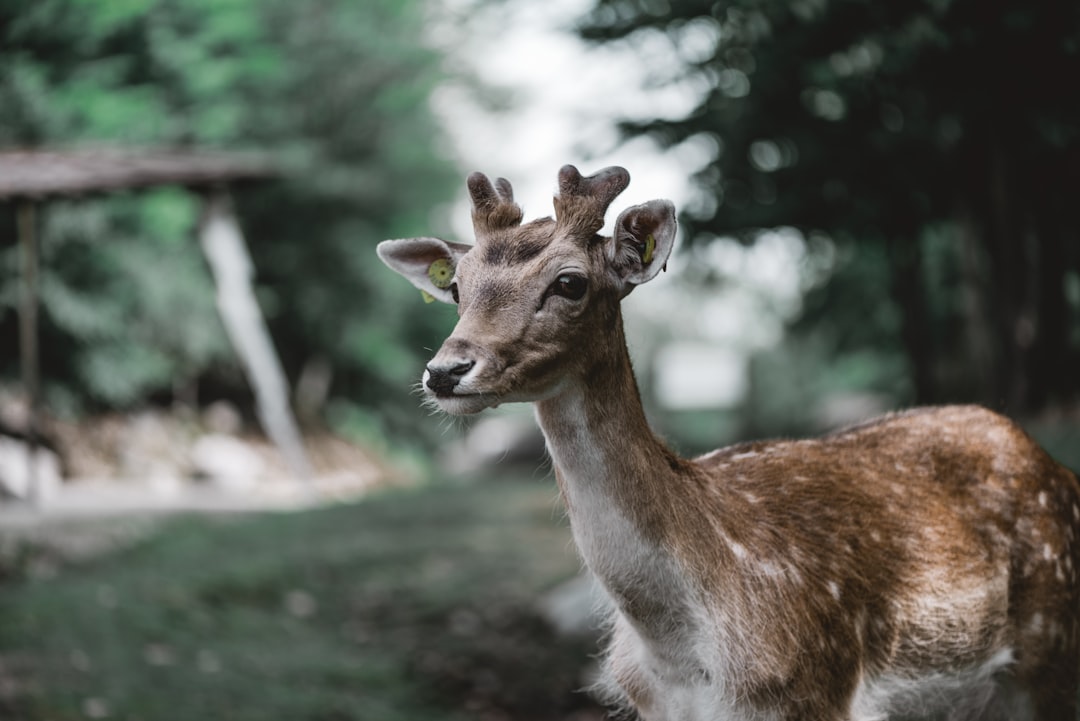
922	565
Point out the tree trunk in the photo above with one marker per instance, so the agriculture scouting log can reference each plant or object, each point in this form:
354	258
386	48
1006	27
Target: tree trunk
905	257
231	265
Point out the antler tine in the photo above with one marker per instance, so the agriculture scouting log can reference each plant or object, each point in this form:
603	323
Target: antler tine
583	201
493	205
504	189
569	180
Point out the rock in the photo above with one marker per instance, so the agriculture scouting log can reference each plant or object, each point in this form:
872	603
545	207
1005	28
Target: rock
14	410
227	462
222	417
151	449
15	471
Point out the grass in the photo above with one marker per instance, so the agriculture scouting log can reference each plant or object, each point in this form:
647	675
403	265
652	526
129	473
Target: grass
414	605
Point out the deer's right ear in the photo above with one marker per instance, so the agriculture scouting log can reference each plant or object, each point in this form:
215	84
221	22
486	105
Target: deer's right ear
427	263
644	236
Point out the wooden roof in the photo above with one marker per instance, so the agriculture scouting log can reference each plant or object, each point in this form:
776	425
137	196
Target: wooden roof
41	174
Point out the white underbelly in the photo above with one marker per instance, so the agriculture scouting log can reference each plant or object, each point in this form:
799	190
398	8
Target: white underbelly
973	693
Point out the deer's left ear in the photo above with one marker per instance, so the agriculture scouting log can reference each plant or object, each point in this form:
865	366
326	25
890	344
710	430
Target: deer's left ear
427	263
641	244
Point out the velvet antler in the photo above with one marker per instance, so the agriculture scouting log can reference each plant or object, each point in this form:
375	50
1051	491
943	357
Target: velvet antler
583	201
493	205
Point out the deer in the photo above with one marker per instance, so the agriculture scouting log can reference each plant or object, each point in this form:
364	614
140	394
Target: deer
922	564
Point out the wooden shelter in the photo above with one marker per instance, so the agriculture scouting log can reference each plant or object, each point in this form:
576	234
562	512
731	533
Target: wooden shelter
30	178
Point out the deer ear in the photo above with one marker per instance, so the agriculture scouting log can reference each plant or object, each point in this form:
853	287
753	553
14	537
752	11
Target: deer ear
644	236
427	263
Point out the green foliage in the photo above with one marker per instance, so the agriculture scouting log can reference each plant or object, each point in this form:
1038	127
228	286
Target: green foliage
126	290
935	135
334	92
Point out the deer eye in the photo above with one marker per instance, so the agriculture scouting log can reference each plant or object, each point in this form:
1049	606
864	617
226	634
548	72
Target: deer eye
570	286
454	292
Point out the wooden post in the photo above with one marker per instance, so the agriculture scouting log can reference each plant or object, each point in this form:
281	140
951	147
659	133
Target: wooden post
225	250
26	221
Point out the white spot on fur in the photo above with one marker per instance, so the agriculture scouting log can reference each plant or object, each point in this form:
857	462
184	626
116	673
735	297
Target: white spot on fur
1048	552
746	454
770	569
1042	498
834	589
739	550
860	624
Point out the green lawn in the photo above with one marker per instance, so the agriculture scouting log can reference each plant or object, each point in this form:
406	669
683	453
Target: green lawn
411	605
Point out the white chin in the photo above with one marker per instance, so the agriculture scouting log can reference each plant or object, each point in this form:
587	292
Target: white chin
463	405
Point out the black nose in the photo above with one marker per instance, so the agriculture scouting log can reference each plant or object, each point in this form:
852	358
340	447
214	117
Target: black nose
444	379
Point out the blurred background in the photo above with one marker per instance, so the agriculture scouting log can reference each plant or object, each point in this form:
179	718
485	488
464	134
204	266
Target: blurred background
876	211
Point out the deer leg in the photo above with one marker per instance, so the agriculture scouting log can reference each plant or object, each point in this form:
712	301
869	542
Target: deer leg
1048	651
1042	685
1052	686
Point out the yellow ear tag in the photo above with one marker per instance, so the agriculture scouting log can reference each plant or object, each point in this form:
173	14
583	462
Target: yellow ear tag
650	248
428	297
441	273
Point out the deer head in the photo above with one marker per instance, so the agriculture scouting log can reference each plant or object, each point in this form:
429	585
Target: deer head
538	303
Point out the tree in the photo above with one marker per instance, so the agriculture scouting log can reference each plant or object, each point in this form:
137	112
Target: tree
334	91
940	135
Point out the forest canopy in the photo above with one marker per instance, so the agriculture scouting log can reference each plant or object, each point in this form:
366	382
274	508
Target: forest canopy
931	146
334	93
936	143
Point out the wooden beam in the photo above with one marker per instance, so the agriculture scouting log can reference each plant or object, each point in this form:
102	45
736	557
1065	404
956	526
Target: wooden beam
225	250
26	222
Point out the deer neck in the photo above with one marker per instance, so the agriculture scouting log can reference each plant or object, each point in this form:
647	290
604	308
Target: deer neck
598	435
618	480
